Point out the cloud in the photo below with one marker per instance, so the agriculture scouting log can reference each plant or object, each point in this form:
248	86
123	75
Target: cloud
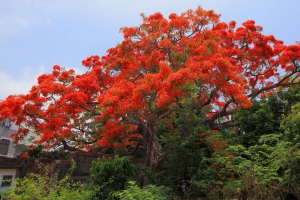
10	85
14	24
19	85
49	20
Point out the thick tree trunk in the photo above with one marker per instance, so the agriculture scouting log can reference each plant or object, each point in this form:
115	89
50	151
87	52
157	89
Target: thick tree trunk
153	148
154	158
154	153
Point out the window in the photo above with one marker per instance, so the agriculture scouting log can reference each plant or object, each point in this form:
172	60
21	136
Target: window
6	180
4	144
6	123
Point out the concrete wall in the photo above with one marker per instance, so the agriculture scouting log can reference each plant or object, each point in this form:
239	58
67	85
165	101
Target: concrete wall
19	167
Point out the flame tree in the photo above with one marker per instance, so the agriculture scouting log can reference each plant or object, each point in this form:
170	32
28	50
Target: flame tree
123	95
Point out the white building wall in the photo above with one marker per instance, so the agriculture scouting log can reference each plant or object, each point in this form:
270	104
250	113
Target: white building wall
11	148
5	133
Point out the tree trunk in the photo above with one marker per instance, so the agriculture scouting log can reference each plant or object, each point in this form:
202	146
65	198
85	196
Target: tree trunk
151	144
154	153
154	156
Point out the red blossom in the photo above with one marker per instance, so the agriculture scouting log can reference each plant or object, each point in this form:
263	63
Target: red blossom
160	65
25	155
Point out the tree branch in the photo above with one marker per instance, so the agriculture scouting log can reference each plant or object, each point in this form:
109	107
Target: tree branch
211	96
222	125
67	147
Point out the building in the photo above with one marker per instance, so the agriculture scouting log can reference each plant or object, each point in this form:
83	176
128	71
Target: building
9	150
13	166
6	142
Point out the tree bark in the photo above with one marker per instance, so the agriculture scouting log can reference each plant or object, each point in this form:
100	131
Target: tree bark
152	146
67	147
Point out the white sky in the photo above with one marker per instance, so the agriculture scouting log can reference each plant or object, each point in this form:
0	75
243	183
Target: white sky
37	34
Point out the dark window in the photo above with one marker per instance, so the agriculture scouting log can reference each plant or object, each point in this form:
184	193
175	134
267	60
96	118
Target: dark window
6	180
4	144
6	123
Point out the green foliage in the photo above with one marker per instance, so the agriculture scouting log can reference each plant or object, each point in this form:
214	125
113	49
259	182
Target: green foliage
149	192
262	157
253	169
261	160
44	187
197	160
269	169
291	125
255	122
265	116
290	157
210	181
265	150
289	97
111	175
184	144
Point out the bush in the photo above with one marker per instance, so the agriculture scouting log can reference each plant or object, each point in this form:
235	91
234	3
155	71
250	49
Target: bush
110	175
150	192
44	187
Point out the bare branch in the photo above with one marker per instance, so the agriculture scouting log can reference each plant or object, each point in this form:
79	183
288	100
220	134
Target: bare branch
67	147
222	125
211	96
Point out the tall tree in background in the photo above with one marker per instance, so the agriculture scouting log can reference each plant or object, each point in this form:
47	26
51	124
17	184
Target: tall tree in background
190	58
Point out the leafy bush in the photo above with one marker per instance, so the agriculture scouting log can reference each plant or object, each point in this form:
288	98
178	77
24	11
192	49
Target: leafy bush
150	192
111	175
44	187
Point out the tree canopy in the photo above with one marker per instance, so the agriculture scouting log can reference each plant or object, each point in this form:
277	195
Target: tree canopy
161	66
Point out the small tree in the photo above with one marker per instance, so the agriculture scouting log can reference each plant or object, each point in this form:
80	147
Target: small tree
111	175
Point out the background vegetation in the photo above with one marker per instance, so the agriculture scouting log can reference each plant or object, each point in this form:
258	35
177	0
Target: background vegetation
258	159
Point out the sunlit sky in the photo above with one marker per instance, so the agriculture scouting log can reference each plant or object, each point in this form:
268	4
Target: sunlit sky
37	34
